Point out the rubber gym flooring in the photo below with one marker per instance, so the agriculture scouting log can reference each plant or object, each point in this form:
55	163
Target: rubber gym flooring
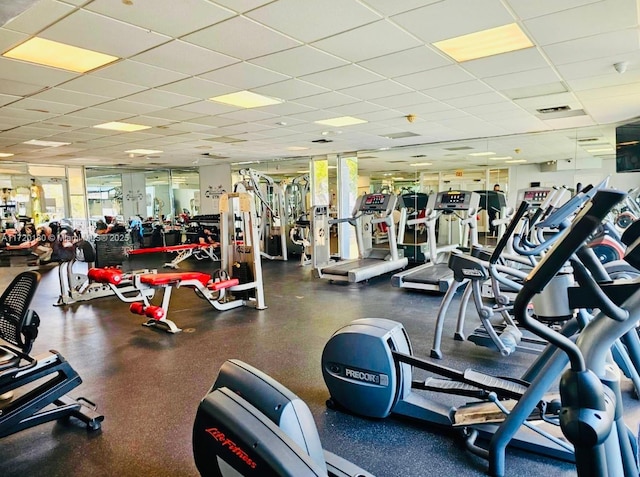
148	383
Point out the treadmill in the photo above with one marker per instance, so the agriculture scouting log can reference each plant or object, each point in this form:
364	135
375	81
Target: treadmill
436	276
369	210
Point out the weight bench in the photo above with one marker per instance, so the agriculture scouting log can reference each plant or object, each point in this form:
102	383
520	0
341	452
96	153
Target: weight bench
213	291
34	388
184	251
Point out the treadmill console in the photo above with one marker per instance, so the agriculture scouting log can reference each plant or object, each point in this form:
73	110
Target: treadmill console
534	196
455	200
376	203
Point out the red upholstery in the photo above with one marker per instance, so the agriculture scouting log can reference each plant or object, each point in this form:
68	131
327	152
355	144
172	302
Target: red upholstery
216	286
158	279
105	275
151	311
170	248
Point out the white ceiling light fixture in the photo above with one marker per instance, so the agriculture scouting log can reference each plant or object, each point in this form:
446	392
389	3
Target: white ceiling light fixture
297	148
36	142
144	152
59	55
516	161
119	126
5	154
481	154
481	44
418	164
341	121
246	99
500	158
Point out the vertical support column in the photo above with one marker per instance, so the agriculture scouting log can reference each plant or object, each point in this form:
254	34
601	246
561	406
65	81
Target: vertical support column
347	195
319	176
134	196
213	180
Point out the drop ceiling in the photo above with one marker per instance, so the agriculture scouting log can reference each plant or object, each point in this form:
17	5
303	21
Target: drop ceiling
370	59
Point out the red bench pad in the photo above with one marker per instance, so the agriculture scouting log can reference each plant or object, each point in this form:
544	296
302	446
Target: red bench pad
169	248
105	275
217	286
157	279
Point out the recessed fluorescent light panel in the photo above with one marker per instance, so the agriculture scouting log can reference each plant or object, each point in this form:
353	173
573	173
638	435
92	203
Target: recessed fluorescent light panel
502	158
35	142
603	149
481	44
297	148
66	57
5	154
341	121
143	151
125	127
246	99
480	154
418	164
515	161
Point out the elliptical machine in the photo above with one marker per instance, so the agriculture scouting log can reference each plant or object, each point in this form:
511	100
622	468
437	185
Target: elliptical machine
249	424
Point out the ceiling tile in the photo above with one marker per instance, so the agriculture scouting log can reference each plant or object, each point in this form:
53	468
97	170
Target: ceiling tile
174	115
584	21
506	63
406	62
475	100
369	41
29	73
523	79
45	106
96	32
242	6
7	99
177	18
597	46
378	89
609	110
41	15
285	109
71	97
549	101
244	76
446	75
9	39
603	82
528	9
402	100
91	84
355	109
207	107
18	88
457	90
290	89
387	8
198	87
138	73
445	20
241	38
161	98
311	20
327	100
343	77
184	58
248	115
600	66
299	61
101	116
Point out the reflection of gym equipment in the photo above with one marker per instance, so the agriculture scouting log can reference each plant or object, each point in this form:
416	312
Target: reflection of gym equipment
238	282
183	252
453	232
412	230
35	386
251	425
76	287
369	210
299	234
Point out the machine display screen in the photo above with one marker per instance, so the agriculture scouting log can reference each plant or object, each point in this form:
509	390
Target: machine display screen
375	203
453	198
536	195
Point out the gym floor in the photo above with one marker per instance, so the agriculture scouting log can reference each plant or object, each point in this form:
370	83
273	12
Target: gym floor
148	383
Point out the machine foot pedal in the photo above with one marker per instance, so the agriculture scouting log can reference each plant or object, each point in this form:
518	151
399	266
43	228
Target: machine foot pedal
448	386
502	387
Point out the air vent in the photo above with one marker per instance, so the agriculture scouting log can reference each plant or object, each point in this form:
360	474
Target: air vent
322	141
588	139
554	109
399	135
214	156
457	148
225	139
418	156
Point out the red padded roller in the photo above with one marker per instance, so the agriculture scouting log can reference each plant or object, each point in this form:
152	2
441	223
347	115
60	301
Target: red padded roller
222	284
137	308
105	275
155	312
157	279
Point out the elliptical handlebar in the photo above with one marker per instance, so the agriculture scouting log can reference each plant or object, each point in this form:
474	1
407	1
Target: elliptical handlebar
570	240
